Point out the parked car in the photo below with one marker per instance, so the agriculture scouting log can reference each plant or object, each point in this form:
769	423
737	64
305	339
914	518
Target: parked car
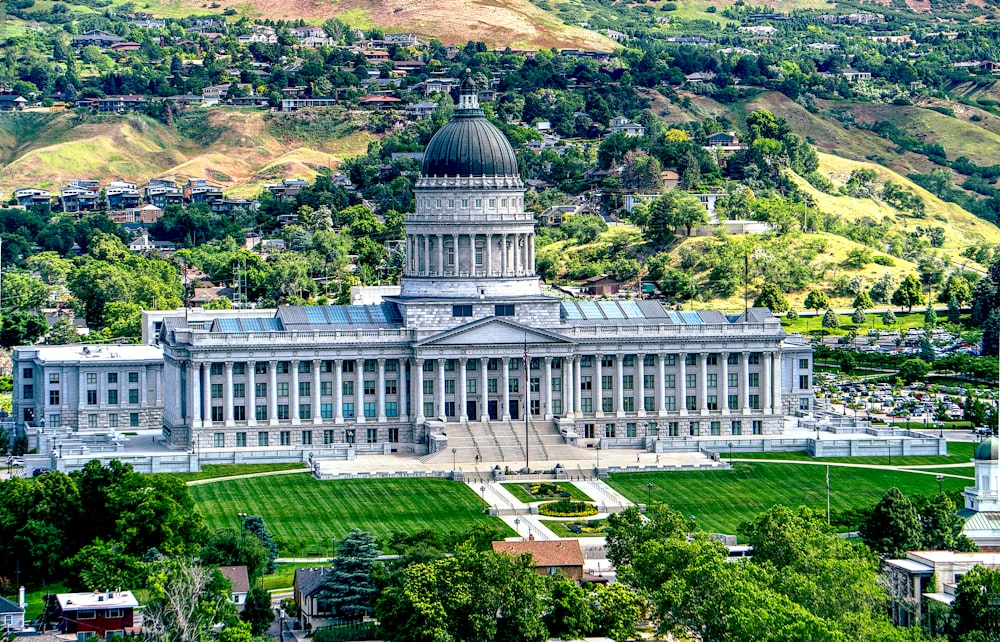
39	471
15	462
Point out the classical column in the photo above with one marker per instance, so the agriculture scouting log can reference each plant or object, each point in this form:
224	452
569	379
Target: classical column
457	265
315	398
463	414
598	388
505	382
159	386
682	390
380	391
776	382
488	247
640	385
703	383
745	383
567	386
251	393
206	395
427	254
293	394
418	396
272	393
531	253
765	382
227	394
143	387
578	382
484	412
194	397
439	391
503	255
661	386
620	385
440	253
547	389
724	382
359	391
338	391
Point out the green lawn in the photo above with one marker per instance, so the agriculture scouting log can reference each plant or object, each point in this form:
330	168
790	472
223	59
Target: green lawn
959	452
214	471
721	499
813	324
520	490
285	573
36	599
967	471
304	514
560	530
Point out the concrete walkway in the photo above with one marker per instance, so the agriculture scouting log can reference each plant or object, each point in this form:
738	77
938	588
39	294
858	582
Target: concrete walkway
212	480
903	469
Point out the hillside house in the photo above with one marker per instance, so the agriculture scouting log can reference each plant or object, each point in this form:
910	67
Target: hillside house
307	32
121	195
379	102
97	613
120	104
700	77
201	297
671	179
287	189
145	214
30	196
230	205
199	190
125	47
239	581
148	22
620	124
824	46
9	102
853	75
97	38
265	38
420	110
11	615
215	94
723	138
549	557
295	104
305	590
73	199
161	192
316	43
931	575
440	85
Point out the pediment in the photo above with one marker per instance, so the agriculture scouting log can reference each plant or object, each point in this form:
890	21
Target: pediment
494	331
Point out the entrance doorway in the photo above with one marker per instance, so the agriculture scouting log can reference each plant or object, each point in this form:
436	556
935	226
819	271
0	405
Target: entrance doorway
493	408
471	410
514	407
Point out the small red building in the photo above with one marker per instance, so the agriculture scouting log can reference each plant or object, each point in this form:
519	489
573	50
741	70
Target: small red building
97	612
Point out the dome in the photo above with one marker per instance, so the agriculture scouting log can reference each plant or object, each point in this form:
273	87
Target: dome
989	449
469	145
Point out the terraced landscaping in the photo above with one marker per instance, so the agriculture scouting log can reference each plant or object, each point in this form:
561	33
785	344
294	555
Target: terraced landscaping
305	514
523	492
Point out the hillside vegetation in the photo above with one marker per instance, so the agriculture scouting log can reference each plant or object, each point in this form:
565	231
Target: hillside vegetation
240	150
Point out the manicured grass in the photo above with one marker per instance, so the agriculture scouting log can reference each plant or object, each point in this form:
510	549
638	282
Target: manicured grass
967	471
959	452
721	499
284	575
520	491
214	471
813	324
304	514
560	530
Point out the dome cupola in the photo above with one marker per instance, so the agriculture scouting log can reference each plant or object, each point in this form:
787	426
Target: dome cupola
987	450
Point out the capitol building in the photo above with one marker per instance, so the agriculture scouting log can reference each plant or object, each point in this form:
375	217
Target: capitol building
470	355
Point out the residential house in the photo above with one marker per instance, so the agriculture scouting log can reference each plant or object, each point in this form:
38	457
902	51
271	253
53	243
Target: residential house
147	21
215	94
824	46
853	75
230	205
759	30
249	101
121	195
409	66
201	297
700	77
120	104
896	40
185	99
286	189
440	85
423	109
98	613
403	39
549	557
248	38
161	192
379	102
125	47
932	575
11	615
696	41
295	104
199	190
9	102
723	138
145	214
602	285
294	92
316	43
29	196
671	179
307	32
96	37
620	124
306	587
75	199
555	215
239	581
144	245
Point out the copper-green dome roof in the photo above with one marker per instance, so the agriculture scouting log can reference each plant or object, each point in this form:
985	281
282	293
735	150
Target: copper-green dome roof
988	449
469	145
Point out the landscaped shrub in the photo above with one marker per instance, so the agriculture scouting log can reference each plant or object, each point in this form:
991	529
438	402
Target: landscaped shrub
567	508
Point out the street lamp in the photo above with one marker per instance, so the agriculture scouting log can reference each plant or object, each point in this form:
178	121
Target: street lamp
730	453
649	494
453	459
517	525
940	479
243	520
598	457
482	491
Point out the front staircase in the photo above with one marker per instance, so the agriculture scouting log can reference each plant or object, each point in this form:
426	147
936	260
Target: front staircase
503	442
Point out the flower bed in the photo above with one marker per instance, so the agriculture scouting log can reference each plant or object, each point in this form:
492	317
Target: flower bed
567	508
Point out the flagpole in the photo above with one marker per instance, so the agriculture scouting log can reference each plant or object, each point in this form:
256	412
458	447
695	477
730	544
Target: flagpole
828	495
527	402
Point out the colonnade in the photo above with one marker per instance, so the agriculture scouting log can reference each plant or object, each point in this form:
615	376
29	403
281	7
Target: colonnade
470	254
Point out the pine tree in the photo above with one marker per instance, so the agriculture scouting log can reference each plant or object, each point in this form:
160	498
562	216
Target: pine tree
893	527
257	610
859	316
954	310
348	590
255	524
830	320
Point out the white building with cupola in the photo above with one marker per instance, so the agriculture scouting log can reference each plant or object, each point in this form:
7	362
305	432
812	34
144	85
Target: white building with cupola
471	351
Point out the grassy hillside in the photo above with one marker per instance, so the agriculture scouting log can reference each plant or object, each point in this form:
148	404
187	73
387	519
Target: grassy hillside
240	150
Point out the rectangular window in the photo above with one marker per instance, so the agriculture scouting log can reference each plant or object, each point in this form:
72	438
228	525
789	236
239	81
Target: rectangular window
282	411
503	310
91	376
304	389
347	388
691	381
133	395
305	367
461	310
91	397
349	436
371	435
754	401
260	368
307	437
556	384
672	429
112	421
305	411
607	381
239	368
391	409
347	366
326	410
733	380
586	382
715	428
112	397
670	381
112	377
217	413
133	377
713	360
391	387
260	389
648	382
630	430
285	438
369	409
86	615
671	403
260	412
240	413
757	426
609	430
326	388
92	421
239	390
712	401
557	407
428	408
670	359
690	359
732	402
534	384
133	419
449	386
218	440
348	410
587	361
216	391
514	385
470	386
262	438
491	386
628	382
394	435
733	359
754	359
803	382
607	404
628	404
282	388
649	404
628	361
587	404
53	397
449	365
691	402
370	365
429	387
803	403
329	437
449	409
713	380
28	391
588	431
282	367
607	361
737	427
804	364
649	360
652	429
53	377
241	440
215	368
754	378
694	429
